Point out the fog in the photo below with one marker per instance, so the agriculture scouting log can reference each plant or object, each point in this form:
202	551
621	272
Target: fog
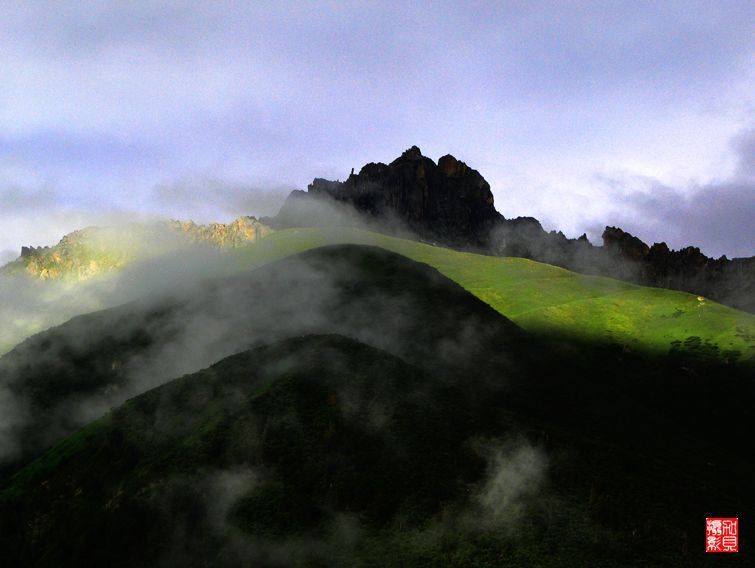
157	260
187	323
514	481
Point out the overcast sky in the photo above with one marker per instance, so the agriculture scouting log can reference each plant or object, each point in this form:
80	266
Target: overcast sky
582	114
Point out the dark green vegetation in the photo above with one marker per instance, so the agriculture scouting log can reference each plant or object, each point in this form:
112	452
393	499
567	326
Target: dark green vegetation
66	376
440	434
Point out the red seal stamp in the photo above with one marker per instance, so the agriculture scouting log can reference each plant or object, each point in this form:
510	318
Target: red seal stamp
721	534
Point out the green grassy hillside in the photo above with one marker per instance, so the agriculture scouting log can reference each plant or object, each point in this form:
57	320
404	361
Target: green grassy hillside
58	380
437	433
539	297
548	299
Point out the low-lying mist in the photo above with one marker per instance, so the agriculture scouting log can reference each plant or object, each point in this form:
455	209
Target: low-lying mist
154	260
61	379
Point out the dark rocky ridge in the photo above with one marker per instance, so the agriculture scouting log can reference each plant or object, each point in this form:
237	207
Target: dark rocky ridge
730	281
451	204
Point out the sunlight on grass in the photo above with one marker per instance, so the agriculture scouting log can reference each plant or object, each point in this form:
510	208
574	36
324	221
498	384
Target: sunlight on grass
545	298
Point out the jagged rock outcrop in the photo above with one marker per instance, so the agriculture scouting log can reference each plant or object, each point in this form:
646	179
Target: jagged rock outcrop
237	233
30	251
87	252
79	255
728	281
447	202
451	204
624	244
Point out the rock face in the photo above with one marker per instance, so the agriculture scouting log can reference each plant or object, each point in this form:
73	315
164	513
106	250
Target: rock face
447	202
234	234
624	244
79	255
451	204
88	252
729	281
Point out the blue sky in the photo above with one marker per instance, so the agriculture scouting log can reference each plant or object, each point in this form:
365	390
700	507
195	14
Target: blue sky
582	114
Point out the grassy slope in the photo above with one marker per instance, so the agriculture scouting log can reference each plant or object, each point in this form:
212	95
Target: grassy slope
57	373
545	298
631	467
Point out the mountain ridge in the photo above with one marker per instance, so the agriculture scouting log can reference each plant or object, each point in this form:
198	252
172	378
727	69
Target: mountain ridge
65	376
88	252
448	203
353	385
451	204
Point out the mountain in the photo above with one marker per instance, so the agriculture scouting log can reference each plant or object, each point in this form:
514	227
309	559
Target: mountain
337	397
447	203
60	379
539	297
465	442
88	252
545	299
451	204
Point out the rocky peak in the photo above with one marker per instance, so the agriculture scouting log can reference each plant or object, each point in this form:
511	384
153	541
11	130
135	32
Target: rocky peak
448	202
236	233
413	153
451	167
626	244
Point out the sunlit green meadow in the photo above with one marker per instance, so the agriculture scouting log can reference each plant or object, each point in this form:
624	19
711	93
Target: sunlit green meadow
544	298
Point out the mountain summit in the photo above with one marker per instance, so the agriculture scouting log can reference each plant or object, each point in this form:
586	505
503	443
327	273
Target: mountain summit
447	202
